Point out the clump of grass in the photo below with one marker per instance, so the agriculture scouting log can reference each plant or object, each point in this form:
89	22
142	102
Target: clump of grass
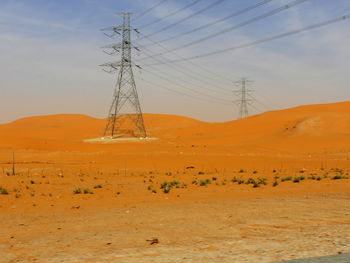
154	191
296	180
250	180
87	191
17	195
262	181
204	182
287	178
234	179
166	186
255	172
174	183
117	193
77	191
241	171
194	182
97	186
32	182
3	191
201	173
337	177
275	183
214	178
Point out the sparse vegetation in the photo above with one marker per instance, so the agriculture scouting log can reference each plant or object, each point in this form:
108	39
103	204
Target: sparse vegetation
77	191
337	177
296	180
262	181
204	182
97	186
3	191
87	191
287	178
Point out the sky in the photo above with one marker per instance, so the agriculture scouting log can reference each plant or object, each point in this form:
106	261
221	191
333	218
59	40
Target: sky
51	52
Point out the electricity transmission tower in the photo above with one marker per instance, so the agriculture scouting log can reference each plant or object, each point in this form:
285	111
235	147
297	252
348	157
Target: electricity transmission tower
245	97
125	116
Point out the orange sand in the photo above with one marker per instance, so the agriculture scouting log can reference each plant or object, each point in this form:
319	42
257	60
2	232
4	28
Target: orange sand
43	221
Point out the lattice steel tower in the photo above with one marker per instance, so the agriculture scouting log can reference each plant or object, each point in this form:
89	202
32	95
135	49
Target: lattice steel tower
245	97
125	115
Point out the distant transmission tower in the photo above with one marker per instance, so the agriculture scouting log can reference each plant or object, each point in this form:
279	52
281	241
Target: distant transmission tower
244	97
125	115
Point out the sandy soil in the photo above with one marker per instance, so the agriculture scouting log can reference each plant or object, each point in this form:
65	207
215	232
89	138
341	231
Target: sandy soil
270	187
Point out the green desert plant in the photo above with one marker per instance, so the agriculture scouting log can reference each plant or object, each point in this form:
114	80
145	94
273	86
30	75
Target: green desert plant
3	191
262	181
287	178
337	177
77	191
296	180
87	191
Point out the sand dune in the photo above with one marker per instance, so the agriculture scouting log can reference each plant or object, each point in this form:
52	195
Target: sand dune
323	127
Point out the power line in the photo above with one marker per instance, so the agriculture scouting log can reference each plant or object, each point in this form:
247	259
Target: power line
182	93
149	10
185	81
218	76
186	71
171	14
187	17
237	13
261	41
250	21
190	89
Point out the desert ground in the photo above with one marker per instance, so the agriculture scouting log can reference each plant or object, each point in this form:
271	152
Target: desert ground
266	188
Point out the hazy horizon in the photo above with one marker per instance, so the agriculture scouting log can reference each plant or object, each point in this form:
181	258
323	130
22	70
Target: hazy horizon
51	52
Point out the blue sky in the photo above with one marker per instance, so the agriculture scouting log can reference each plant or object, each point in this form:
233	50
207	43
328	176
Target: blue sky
51	52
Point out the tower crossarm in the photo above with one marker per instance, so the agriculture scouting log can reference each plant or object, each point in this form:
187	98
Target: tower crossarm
118	64
118	29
